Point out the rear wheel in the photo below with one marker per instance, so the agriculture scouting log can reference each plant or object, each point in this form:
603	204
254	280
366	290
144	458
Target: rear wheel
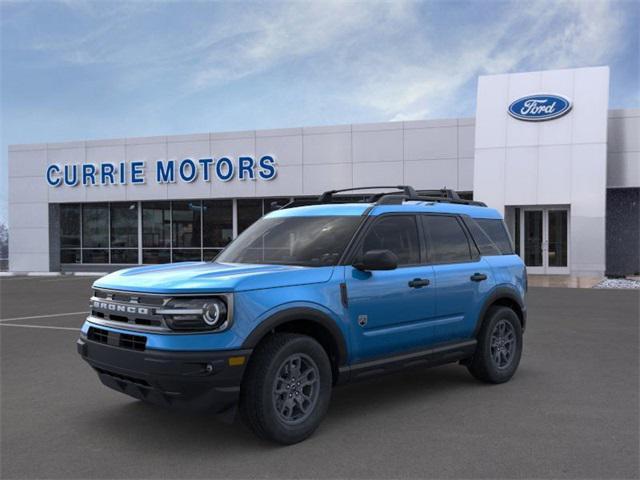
287	388
499	346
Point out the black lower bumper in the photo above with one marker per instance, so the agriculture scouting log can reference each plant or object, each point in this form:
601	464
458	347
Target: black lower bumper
205	380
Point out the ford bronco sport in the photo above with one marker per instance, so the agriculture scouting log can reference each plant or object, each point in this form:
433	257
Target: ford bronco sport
310	297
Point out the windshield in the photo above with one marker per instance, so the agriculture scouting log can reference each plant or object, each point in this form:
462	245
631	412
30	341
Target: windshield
304	241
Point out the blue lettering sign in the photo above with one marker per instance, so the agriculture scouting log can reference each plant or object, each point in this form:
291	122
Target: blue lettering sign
206	168
224	164
188	170
106	173
167	171
165	174
137	173
245	168
51	180
267	168
71	175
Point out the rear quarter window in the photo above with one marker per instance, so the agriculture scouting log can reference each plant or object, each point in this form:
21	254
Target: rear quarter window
491	236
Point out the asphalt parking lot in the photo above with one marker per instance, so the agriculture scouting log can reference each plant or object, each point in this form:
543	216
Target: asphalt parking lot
571	411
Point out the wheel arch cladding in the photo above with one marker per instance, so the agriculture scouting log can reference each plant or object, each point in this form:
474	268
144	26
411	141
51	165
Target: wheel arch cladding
309	322
504	297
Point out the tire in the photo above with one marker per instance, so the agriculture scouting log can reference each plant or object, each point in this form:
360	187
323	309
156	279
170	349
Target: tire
272	404
499	363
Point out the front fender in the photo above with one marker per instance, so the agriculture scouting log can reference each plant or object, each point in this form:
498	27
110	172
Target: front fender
299	311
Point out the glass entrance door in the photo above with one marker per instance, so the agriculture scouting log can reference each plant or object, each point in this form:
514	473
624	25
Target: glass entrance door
544	239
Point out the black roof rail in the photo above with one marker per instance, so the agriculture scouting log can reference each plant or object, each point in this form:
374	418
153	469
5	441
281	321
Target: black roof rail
327	197
397	199
401	193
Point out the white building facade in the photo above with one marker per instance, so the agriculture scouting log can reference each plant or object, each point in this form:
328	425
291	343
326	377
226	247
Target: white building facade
544	149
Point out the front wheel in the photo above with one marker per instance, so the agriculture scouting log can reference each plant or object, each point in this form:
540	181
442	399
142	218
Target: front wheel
499	346
287	388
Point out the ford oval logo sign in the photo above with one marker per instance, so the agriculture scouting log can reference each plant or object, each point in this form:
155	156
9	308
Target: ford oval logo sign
536	108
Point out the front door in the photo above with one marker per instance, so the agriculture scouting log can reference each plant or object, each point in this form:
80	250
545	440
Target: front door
544	239
391	311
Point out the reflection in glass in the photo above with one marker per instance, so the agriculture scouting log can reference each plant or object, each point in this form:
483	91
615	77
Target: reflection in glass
217	223
124	255
558	238
95	226
69	226
95	256
70	255
155	256
186	255
271	204
124	225
209	254
156	224
533	238
249	210
186	224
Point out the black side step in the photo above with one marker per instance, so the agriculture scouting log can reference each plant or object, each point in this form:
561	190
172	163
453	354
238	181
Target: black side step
439	355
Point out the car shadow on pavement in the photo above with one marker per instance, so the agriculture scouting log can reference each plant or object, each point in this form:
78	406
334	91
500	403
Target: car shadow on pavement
194	432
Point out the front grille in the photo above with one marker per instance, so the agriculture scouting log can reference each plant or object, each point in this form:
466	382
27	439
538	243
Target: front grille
115	339
128	308
125	297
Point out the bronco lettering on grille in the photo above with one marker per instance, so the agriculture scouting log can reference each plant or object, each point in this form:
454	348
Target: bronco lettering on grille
117	307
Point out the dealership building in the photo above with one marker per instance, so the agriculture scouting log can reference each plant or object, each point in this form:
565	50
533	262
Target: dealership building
544	149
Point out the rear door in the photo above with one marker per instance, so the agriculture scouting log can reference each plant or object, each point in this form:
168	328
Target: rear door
389	311
462	278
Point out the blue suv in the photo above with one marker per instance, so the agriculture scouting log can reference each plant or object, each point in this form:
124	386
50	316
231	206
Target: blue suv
310	297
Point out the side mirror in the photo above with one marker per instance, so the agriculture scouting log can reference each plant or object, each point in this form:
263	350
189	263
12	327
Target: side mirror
377	260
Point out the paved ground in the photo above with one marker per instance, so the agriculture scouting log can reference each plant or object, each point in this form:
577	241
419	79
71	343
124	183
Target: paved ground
571	411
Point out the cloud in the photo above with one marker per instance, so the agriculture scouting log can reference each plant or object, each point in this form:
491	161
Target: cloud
536	35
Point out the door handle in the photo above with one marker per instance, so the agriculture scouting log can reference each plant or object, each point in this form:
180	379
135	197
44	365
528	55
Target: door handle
478	277
418	282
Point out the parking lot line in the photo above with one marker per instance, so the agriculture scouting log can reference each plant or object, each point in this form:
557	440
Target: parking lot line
41	316
38	326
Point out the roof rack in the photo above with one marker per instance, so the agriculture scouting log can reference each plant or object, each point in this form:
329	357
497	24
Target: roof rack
400	194
327	197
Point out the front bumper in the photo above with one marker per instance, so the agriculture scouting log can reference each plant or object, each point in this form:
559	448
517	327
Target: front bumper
197	380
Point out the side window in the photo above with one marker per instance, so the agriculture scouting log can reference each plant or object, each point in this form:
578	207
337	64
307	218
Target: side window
485	244
497	232
446	240
396	233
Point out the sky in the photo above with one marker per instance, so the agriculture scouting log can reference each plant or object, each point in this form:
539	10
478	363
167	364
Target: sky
76	70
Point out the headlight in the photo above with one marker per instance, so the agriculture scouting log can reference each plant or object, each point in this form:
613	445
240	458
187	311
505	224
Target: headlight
196	314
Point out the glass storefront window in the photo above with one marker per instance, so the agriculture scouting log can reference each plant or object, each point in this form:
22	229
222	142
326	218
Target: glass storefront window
172	231
249	210
217	223
70	233
186	224
69	226
156	224
91	255
208	254
69	255
124	225
124	255
95	225
156	256
271	204
186	255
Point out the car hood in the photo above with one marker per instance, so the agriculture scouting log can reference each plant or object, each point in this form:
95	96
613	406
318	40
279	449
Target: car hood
203	277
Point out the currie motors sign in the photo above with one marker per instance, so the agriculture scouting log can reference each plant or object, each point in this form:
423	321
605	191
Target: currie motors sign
540	107
187	170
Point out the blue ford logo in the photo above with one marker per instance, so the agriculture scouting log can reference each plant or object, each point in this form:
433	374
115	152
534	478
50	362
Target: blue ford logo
536	108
